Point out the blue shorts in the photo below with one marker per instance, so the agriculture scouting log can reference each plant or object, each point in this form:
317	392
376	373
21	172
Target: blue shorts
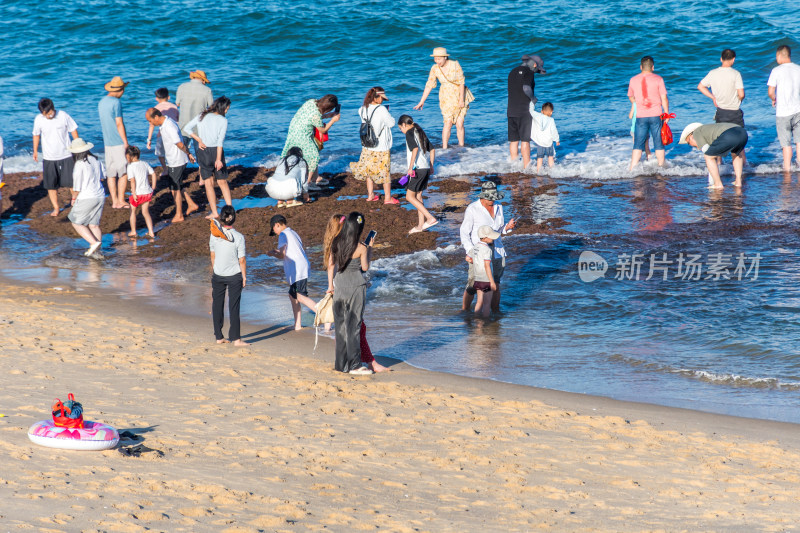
647	127
542	152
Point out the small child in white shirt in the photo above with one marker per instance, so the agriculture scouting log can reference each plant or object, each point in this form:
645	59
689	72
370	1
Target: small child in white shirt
544	134
295	266
483	280
141	189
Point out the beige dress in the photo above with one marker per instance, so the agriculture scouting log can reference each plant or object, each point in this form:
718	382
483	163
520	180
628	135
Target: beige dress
451	77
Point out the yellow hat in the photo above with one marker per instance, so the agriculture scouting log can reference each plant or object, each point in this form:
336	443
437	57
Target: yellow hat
116	84
440	51
199	75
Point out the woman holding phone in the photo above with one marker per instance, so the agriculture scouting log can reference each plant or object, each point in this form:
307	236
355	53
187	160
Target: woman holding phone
349	259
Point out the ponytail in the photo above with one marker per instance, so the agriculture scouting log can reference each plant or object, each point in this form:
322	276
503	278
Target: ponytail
371	94
425	143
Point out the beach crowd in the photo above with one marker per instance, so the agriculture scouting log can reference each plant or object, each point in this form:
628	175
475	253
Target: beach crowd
198	120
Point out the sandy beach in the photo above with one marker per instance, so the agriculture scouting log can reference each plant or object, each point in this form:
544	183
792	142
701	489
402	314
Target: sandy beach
270	438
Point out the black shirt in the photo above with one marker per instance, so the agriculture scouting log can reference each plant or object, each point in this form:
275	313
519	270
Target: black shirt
518	101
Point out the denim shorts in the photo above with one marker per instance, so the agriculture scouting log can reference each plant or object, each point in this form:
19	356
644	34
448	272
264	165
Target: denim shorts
647	127
544	151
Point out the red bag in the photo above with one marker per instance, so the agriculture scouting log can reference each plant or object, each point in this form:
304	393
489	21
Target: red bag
62	414
320	138
666	131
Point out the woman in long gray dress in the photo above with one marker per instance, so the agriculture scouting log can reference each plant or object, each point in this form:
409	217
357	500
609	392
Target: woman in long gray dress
349	260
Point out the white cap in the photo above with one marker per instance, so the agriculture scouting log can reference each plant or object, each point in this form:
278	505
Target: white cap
688	130
487	231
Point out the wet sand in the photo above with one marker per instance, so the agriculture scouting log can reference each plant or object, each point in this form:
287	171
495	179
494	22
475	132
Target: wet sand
270	438
24	198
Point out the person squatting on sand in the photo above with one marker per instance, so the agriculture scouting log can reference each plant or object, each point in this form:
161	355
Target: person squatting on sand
375	161
170	110
485	211
784	91
348	262
178	156
716	141
229	266
648	92
115	140
53	128
454	97
88	195
420	157
211	127
141	189
331	231
520	97
295	266
301	133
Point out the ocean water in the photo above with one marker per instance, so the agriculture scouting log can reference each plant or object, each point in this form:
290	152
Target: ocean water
722	345
269	57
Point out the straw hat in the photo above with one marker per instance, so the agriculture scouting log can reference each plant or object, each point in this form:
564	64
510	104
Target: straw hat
78	146
688	130
116	84
199	75
440	51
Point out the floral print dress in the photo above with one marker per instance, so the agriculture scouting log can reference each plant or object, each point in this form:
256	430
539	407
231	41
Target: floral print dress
450	76
301	134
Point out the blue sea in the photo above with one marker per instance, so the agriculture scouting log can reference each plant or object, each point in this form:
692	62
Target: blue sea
721	345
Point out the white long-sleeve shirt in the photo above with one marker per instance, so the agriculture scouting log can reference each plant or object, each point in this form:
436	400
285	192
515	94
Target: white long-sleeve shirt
382	123
543	130
211	129
476	216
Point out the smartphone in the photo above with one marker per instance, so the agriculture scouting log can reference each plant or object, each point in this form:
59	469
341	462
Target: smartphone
370	238
337	109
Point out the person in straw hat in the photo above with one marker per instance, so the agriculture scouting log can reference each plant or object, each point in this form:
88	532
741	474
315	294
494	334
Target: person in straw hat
115	140
715	141
192	98
452	94
88	195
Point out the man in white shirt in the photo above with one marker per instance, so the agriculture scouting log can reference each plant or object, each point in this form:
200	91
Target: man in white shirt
485	211
784	91
177	156
53	129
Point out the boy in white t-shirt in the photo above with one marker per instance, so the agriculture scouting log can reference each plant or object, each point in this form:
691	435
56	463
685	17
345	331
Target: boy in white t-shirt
141	190
481	270
295	266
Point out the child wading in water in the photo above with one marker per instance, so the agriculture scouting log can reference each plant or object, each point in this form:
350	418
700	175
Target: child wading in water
543	135
142	190
420	156
295	266
482	270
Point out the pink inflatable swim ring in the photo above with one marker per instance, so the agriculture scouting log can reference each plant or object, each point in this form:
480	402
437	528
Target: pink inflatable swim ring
93	436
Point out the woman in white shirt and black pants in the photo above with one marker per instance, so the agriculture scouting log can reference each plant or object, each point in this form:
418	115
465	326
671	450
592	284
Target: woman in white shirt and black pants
373	165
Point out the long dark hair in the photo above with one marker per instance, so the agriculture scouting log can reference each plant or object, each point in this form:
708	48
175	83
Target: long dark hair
345	244
83	156
371	94
406	120
218	106
293	151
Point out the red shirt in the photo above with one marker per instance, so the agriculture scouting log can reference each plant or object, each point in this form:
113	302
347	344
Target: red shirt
647	89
